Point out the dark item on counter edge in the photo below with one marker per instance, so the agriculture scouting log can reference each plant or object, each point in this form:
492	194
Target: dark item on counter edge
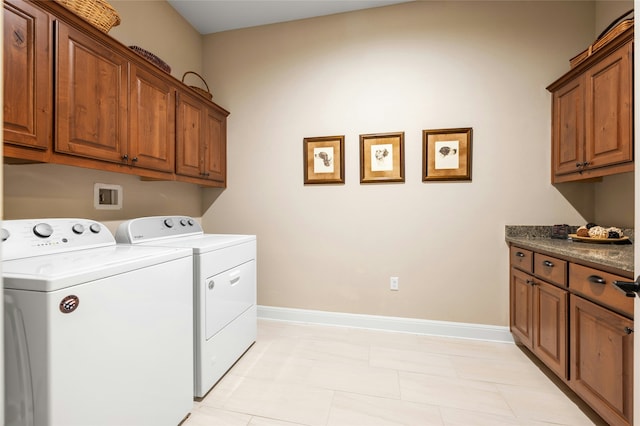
560	231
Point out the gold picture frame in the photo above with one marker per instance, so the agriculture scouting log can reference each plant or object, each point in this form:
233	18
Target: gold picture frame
446	154
382	157
323	159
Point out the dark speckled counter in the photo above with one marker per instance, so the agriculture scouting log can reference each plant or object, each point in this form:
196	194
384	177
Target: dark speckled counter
611	257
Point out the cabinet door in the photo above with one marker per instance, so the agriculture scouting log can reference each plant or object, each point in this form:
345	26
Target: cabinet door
189	147
91	97
568	127
609	130
152	121
550	326
602	360
215	146
521	309
28	74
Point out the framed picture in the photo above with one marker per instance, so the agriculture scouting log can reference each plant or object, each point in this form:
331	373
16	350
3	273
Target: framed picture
382	157
446	154
324	159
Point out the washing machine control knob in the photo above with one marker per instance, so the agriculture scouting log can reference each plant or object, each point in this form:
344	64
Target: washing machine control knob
77	229
5	234
95	228
183	222
168	223
43	230
190	222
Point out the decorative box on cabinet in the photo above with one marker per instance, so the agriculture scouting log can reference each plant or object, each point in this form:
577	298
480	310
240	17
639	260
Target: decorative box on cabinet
592	115
573	319
28	74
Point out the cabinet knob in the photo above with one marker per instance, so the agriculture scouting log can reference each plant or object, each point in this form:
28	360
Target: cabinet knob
519	254
594	279
134	159
548	263
628	330
125	158
531	282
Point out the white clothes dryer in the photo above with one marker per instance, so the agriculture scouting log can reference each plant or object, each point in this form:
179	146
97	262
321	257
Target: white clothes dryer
95	333
224	284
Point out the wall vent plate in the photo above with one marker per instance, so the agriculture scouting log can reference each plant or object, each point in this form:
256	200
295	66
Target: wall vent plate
107	197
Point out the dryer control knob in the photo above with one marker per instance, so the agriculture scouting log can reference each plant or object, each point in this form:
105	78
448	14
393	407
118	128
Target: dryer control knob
5	234
77	229
95	228
190	222
168	223
43	230
183	222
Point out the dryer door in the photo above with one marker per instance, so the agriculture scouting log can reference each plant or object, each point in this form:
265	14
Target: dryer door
228	295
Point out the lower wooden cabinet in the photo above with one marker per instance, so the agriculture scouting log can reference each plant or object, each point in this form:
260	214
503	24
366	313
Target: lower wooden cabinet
602	360
573	319
539	319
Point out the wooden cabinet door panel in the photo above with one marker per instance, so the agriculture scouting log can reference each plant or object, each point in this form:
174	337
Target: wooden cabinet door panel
91	98
215	146
189	154
550	326
568	133
521	312
28	71
609	110
151	121
602	360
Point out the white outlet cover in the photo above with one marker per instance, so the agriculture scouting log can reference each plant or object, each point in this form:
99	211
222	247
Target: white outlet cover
115	199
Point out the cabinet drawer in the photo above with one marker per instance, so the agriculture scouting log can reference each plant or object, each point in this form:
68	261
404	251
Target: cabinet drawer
521	259
550	269
597	286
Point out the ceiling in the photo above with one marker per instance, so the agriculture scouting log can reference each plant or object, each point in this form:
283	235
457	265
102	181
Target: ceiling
212	16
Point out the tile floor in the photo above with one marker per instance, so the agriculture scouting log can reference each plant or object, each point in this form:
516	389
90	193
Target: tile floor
297	374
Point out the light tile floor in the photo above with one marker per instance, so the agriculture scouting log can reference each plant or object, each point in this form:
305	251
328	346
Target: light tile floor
297	374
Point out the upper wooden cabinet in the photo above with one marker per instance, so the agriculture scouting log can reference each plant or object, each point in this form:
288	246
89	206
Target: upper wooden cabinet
201	139
75	96
91	97
592	115
27	85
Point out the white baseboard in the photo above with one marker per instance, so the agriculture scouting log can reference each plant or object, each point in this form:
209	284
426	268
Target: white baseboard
376	322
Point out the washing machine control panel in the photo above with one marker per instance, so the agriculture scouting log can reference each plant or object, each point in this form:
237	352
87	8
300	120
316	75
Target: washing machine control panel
34	237
153	228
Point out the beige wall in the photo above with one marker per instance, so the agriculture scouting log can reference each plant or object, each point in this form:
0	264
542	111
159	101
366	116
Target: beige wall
46	190
409	67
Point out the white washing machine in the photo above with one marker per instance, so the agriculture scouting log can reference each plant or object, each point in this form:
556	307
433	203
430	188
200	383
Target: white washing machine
95	333
224	284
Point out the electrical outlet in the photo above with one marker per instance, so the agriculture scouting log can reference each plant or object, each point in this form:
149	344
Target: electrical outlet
393	283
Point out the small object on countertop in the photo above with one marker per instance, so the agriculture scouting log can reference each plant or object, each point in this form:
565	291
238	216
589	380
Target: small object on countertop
598	232
590	225
612	234
560	231
615	231
582	232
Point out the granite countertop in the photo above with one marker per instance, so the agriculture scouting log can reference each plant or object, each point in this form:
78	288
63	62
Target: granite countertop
608	256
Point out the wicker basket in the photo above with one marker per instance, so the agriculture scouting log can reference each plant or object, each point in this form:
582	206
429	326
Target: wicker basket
152	58
614	30
205	93
98	13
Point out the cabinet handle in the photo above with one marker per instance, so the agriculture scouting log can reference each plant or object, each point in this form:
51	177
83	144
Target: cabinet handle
134	159
578	165
125	158
548	263
531	282
628	330
519	254
594	279
585	164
